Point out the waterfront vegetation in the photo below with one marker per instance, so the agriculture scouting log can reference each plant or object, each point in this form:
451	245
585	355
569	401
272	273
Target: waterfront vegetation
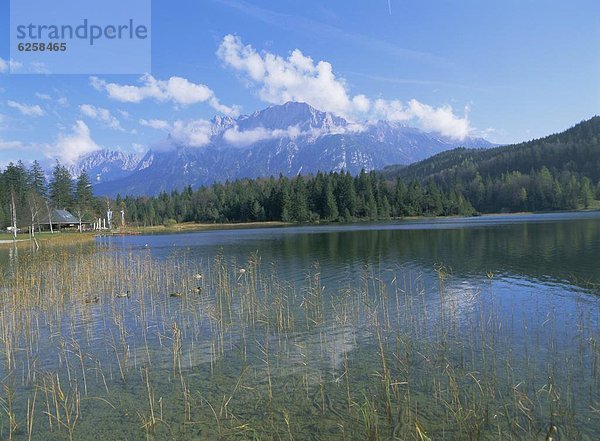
23	240
325	197
103	345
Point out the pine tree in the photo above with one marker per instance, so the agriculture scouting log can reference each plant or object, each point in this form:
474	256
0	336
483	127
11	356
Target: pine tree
330	209
300	210
83	197
286	203
37	179
587	195
346	196
61	187
83	191
399	206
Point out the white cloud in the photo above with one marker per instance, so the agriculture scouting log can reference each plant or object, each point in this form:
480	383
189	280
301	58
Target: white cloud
390	110
8	145
38	67
12	65
63	101
246	137
138	148
195	133
176	89
157	124
299	78
192	133
441	119
198	133
101	114
43	96
68	147
74	145
25	109
296	78
242	138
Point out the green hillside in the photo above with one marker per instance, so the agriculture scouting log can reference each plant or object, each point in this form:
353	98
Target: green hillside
560	171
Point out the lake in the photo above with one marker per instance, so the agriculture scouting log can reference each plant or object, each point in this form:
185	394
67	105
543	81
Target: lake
458	328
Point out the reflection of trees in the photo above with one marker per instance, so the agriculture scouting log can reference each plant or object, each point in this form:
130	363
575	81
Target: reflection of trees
564	250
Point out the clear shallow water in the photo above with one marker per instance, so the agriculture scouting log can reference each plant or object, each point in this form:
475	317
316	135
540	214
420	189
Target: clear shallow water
557	248
452	328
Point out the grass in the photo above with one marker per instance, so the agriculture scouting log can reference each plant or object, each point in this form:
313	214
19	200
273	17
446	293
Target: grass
251	356
64	238
6	239
194	226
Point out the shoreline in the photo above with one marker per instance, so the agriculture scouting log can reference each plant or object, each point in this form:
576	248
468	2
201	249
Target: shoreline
48	238
193	226
187	227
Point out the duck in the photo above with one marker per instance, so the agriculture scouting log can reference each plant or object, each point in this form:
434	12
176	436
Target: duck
198	276
176	294
121	295
198	289
95	299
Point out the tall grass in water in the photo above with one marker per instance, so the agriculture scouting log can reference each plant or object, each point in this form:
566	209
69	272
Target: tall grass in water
96	343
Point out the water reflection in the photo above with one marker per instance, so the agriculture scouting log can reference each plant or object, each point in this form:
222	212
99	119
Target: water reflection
548	248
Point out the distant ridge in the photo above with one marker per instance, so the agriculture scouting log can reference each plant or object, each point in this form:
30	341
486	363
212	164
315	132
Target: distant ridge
557	172
577	149
285	139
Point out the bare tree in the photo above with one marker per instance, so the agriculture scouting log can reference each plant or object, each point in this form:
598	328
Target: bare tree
49	215
80	213
33	203
109	214
13	213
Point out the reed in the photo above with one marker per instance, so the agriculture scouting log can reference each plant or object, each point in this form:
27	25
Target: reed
380	355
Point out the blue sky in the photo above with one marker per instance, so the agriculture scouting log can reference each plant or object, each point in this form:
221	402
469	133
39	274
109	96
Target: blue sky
509	71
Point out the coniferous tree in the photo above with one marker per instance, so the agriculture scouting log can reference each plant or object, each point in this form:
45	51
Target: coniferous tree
330	209
285	201
84	196
61	187
300	211
346	196
83	191
37	179
587	195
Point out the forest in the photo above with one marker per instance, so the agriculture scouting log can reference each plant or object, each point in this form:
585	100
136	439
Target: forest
559	172
323	197
27	198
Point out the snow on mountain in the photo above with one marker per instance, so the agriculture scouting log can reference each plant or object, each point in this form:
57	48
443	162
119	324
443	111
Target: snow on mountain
288	139
106	165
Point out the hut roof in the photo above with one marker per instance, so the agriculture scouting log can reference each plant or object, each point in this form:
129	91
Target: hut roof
60	217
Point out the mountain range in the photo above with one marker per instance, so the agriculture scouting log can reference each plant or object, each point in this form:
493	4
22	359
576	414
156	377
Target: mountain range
285	139
106	165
